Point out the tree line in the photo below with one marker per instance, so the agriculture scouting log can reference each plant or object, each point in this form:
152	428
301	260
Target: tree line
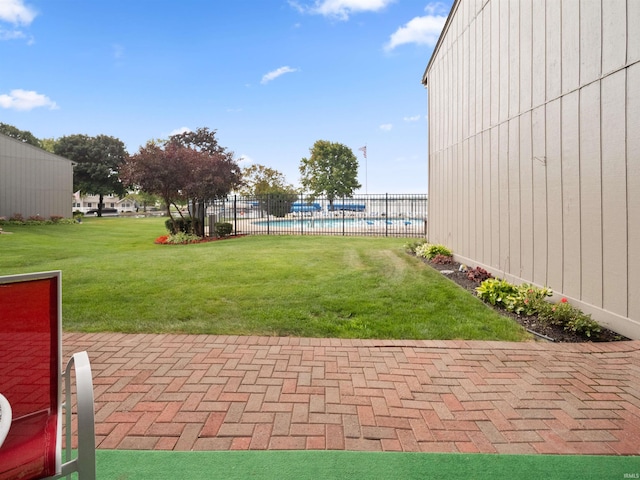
191	168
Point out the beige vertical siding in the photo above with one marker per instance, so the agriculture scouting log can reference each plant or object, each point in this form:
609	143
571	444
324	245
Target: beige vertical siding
633	183
33	181
534	152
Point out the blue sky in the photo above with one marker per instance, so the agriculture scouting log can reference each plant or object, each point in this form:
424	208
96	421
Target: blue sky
271	76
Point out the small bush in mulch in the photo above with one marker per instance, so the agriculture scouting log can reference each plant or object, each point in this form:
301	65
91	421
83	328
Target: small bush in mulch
442	259
546	323
188	239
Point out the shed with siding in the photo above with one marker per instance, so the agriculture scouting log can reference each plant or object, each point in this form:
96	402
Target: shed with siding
33	181
534	147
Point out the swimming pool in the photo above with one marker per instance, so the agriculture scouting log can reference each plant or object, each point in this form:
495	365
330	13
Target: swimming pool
310	222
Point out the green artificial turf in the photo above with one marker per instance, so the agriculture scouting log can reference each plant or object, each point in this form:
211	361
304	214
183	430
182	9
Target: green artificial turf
116	279
323	465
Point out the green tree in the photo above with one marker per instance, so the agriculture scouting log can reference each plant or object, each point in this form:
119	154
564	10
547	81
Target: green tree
145	199
98	162
331	169
270	188
191	166
158	169
260	180
278	202
48	144
214	172
24	136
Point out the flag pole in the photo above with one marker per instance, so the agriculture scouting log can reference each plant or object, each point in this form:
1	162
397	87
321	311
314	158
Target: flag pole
366	182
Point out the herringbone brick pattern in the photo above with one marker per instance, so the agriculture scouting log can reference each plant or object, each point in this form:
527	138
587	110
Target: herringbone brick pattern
192	392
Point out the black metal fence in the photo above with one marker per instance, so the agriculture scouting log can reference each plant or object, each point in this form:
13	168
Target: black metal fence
281	214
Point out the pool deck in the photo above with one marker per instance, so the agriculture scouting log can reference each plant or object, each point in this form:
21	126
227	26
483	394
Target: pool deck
205	392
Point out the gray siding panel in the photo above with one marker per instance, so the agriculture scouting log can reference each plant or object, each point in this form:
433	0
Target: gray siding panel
494	197
526	198
538	163
539	68
633	26
514	189
33	181
570	45
614	195
590	195
571	195
555	257
525	57
534	154
633	186
614	35
590	42
503	196
553	49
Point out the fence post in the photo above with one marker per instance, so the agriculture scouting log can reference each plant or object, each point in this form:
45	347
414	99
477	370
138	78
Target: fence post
235	215
212	222
386	214
268	213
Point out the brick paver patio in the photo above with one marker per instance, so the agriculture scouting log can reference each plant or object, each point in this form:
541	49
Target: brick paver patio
192	392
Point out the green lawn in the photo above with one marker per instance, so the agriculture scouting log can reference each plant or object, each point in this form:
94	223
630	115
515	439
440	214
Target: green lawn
116	279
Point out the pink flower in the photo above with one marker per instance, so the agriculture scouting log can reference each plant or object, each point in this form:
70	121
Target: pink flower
564	300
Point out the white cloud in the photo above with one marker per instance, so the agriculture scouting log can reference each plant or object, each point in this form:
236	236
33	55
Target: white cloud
276	73
414	118
16	12
420	30
340	9
179	131
245	161
26	100
386	127
11	34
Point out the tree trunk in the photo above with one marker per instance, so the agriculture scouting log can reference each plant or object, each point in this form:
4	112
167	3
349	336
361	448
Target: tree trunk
100	200
198	217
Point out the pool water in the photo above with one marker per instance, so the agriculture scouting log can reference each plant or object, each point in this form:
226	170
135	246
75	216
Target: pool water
339	222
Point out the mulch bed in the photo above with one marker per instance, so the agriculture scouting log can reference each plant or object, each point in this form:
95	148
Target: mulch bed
542	330
162	240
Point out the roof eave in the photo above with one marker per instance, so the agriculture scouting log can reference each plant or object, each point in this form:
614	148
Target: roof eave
454	7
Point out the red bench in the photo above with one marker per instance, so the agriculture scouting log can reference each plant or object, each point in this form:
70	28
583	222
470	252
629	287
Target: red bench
31	381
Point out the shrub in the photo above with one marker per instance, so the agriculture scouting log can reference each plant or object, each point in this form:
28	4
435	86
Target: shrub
412	246
177	225
182	237
35	219
55	218
442	259
478	274
495	291
527	299
223	229
569	317
17	217
429	251
583	324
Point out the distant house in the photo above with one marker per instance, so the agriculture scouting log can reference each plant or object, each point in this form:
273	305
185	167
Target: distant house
534	147
33	181
89	203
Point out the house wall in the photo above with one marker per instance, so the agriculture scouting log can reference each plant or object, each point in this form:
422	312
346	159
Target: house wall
90	202
534	147
33	181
